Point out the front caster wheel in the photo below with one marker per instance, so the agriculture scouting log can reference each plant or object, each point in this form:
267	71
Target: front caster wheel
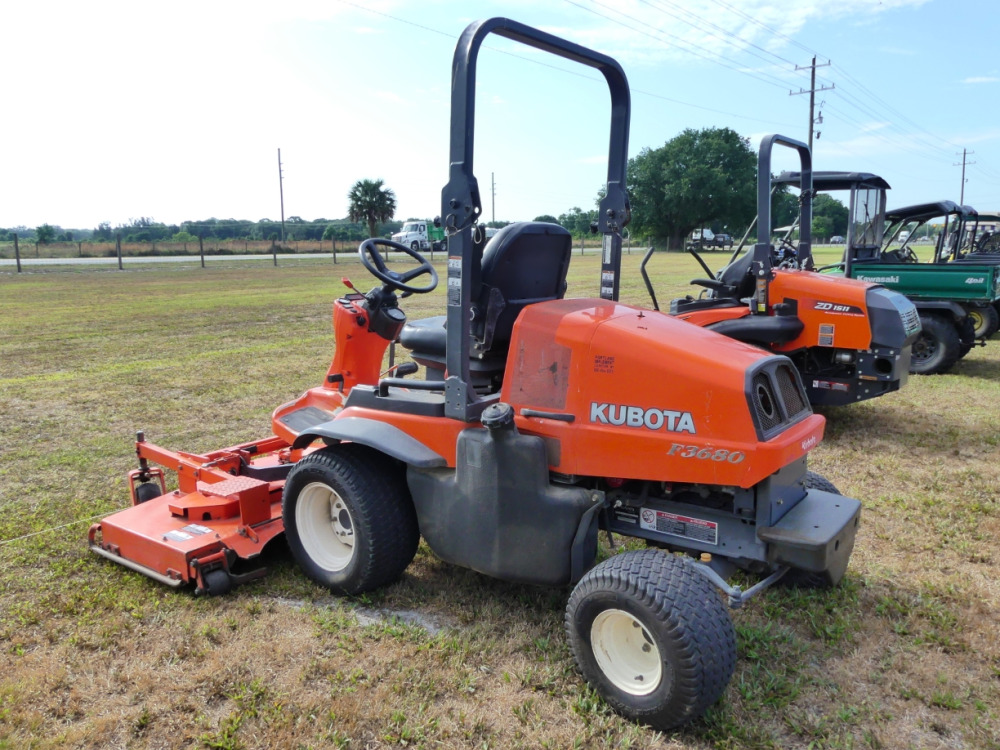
652	636
349	519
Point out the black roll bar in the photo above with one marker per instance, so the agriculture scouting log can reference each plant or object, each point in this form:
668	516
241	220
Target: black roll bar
761	266
461	205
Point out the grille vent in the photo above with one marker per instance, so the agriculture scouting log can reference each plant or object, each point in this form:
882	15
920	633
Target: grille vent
791	392
911	320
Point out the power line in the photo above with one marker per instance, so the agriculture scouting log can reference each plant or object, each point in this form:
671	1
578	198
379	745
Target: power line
590	77
660	35
701	22
764	26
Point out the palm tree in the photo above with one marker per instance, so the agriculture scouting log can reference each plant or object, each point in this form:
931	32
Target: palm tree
371	202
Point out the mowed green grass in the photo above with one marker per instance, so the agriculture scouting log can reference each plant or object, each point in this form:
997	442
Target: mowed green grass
904	654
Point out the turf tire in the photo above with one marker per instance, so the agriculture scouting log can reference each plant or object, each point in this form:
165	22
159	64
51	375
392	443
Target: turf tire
380	520
937	348
816	481
677	612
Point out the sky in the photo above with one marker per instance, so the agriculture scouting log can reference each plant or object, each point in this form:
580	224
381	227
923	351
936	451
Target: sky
176	111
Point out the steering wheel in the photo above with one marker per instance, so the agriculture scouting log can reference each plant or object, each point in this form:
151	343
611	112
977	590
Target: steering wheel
372	259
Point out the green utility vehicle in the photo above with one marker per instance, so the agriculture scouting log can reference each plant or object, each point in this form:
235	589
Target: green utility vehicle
955	296
963	272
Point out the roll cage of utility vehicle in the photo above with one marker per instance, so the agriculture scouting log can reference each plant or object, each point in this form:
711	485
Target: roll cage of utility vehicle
539	420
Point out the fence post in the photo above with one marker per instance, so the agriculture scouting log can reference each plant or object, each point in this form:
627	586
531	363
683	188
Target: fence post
334	241
118	250
201	251
274	252
17	254
79	248
581	244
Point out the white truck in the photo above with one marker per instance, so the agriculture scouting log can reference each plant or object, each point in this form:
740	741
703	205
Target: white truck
421	234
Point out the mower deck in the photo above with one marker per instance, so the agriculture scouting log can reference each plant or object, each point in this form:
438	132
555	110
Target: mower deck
227	509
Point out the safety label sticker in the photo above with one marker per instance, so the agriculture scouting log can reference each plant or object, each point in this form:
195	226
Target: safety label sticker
626	515
831	385
196	529
176	536
697	529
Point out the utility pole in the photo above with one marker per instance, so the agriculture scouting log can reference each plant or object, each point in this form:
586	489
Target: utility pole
281	190
965	153
493	190
812	94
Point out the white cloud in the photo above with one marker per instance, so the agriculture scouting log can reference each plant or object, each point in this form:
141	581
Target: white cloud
871	127
390	97
981	79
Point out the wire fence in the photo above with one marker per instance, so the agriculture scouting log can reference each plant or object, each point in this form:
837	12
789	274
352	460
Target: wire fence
26	254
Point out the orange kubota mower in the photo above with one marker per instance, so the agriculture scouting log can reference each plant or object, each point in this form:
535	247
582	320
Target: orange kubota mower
849	340
540	420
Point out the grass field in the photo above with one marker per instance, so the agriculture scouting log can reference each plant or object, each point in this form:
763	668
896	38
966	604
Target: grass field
904	654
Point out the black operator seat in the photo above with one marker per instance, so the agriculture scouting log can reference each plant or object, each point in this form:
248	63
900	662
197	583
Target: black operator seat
524	263
738	277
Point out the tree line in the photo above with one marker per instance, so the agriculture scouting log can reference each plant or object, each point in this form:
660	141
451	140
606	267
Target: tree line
145	229
699	178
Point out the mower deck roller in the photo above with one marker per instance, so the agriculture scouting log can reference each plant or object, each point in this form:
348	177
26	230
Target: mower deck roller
538	422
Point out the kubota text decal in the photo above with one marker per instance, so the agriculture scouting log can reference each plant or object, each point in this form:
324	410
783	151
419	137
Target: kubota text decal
636	416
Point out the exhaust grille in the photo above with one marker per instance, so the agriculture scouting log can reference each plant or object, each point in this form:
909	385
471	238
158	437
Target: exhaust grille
765	404
791	392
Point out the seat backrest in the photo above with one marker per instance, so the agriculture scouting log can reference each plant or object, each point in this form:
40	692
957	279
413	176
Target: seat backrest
522	264
737	275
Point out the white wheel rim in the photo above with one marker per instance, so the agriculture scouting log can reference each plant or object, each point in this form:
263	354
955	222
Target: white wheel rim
325	526
626	652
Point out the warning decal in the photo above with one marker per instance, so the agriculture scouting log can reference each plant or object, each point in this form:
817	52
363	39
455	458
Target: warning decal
697	529
176	536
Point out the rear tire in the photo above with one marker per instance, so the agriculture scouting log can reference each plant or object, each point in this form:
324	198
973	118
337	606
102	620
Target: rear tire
937	348
349	519
652	636
985	321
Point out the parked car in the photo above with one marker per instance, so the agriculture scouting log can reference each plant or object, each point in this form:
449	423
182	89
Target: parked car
722	240
837	240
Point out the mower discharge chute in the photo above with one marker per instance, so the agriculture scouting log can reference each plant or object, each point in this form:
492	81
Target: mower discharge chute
539	421
849	340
